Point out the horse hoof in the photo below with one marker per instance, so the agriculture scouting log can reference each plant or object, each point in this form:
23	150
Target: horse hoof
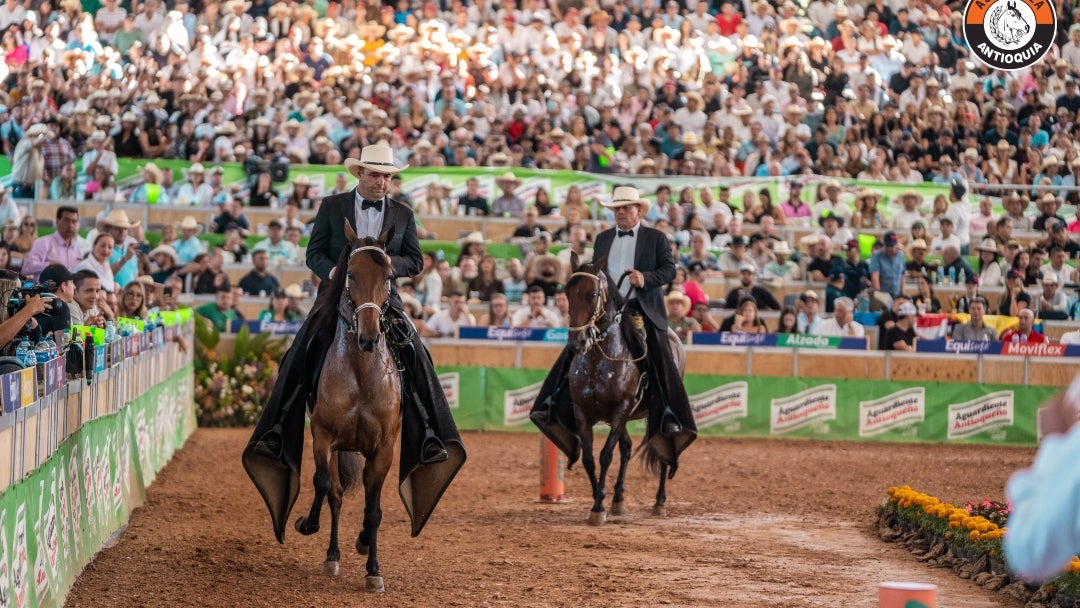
331	568
659	511
302	527
374	584
597	518
618	508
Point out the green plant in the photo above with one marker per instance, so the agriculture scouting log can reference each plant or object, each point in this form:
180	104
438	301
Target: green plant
231	391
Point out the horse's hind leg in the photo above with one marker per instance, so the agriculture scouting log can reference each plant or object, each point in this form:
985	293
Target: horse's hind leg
375	470
661	495
321	449
618	505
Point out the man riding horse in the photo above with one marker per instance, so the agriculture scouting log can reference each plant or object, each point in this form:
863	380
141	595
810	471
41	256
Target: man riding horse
644	256
431	448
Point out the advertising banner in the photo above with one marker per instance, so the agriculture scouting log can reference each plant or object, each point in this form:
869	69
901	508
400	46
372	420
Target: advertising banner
740	406
54	520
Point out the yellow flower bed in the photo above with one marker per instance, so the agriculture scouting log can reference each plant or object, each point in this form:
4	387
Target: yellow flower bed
933	515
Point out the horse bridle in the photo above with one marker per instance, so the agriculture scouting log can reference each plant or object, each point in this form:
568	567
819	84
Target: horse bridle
352	322
593	333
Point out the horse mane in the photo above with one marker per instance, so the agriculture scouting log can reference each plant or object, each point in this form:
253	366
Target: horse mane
594	269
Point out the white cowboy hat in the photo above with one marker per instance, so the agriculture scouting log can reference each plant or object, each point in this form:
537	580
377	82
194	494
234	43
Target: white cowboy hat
508	178
627	195
988	244
376	157
293	291
119	219
195	168
167	250
152	169
189	223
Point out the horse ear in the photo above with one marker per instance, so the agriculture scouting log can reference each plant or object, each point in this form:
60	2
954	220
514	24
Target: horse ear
573	261
601	264
386	237
350	234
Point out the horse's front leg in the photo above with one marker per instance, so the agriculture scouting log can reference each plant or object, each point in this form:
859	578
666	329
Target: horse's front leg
598	516
588	461
375	470
618	506
332	565
321	480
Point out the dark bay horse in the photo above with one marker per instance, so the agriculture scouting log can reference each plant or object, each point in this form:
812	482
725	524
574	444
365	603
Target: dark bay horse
358	409
605	382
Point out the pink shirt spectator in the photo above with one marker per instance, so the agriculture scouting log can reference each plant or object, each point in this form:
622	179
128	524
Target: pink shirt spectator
1074	226
791	211
49	249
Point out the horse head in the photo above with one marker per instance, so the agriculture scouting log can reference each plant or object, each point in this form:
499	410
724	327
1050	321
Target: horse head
590	295
367	284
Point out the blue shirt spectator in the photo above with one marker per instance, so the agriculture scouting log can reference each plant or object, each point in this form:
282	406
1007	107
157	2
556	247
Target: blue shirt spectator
887	267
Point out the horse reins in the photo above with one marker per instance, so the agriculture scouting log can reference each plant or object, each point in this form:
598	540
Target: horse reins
593	332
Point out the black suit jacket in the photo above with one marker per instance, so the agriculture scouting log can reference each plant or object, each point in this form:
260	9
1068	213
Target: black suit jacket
328	237
653	258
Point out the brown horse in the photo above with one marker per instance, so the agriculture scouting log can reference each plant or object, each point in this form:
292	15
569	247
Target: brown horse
358	408
605	382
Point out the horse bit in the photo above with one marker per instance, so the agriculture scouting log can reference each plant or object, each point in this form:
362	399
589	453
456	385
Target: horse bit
593	334
386	321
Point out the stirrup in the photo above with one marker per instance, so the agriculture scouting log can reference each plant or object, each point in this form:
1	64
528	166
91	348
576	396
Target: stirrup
432	451
270	444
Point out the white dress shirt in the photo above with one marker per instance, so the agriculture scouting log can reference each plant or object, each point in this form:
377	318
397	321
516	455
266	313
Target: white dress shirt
621	258
368	221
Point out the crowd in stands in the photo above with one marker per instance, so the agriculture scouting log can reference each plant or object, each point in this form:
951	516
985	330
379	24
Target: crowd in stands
810	94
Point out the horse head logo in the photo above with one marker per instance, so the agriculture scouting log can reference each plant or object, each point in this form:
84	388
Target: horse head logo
1007	25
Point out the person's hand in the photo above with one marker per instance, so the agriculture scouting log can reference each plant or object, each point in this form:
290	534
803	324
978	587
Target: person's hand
636	278
37	304
739	319
1058	414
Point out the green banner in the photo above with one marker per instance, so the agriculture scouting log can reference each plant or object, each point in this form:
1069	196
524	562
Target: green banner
856	410
55	520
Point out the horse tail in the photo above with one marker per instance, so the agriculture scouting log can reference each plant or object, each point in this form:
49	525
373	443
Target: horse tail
349	470
650	460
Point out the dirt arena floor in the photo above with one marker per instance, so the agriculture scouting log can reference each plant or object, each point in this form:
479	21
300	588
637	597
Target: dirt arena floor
750	523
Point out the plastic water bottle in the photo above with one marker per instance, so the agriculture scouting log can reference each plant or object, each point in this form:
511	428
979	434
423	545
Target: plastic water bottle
110	332
864	304
54	350
23	354
952	275
41	352
1015	339
961	279
1023	338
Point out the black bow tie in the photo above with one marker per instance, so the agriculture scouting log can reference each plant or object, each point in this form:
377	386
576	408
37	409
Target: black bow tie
376	205
623	233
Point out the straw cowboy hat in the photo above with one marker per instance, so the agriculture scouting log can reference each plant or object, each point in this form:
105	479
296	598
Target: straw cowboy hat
627	195
302	180
508	178
678	296
988	244
189	223
195	168
293	291
117	218
476	237
152	169
165	250
375	157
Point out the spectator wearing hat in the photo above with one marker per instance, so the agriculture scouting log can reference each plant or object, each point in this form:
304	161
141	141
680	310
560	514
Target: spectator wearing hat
835	287
678	308
189	245
1015	298
842	324
832	226
124	260
887	266
1052	302
821	262
831	203
975	330
98	153
508	204
62	246
962	302
732	260
748	287
1024	330
279	250
902	220
901	336
28	162
195	191
856	271
809	316
781	268
167	262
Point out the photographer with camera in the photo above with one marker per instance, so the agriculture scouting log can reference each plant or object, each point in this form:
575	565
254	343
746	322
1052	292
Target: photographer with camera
57	280
20	309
